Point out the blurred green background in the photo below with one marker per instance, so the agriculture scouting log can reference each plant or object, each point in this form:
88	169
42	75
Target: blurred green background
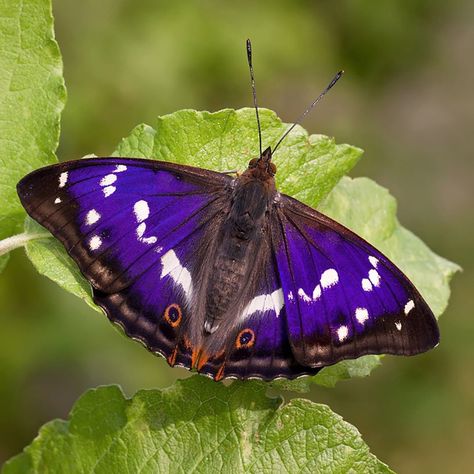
407	99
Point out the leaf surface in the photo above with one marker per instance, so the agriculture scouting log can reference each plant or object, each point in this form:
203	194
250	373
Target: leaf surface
197	426
32	96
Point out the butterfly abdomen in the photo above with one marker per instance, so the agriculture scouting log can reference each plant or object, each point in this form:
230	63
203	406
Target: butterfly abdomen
225	283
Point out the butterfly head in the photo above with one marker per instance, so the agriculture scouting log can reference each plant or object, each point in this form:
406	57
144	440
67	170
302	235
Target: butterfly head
262	168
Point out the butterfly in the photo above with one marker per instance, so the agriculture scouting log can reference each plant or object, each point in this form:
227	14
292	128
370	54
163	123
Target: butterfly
223	273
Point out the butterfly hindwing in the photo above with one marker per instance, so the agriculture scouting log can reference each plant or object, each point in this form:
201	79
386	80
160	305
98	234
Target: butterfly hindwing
157	307
344	298
257	345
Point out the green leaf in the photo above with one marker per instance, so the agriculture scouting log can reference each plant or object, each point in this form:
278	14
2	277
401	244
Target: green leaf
309	167
196	426
32	96
139	144
50	259
329	376
347	369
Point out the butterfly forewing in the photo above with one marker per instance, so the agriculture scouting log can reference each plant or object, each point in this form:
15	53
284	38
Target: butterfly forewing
116	216
344	298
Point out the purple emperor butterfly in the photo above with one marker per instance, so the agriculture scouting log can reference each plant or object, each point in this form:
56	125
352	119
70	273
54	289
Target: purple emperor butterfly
225	274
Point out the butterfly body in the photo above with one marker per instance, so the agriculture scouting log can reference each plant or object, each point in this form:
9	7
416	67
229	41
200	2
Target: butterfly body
226	275
239	242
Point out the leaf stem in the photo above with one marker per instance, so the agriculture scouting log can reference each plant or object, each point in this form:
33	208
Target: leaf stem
19	240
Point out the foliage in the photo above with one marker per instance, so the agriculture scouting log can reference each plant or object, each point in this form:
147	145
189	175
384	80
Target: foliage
32	96
196	426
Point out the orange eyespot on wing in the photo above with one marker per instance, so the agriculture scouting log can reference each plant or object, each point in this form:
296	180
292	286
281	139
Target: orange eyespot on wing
173	315
245	339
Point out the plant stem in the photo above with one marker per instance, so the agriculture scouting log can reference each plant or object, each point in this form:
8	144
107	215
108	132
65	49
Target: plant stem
19	240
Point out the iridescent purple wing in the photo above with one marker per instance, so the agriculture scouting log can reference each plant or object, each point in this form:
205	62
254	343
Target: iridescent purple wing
343	298
134	227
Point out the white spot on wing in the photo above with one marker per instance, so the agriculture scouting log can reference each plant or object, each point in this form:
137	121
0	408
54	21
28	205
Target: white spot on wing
373	261
303	295
180	275
366	284
409	306
63	179
149	240
374	277
95	242
329	278
278	301
120	168
109	190
362	315
398	325
141	230
57	201
108	179
141	210
342	333
92	217
316	292
272	301
290	296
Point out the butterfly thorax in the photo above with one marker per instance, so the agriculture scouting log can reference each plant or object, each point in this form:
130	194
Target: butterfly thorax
240	239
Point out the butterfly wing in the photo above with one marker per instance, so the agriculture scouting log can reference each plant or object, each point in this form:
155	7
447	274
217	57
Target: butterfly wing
344	298
133	226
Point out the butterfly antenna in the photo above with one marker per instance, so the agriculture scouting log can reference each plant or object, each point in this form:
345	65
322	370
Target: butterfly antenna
254	93
308	110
